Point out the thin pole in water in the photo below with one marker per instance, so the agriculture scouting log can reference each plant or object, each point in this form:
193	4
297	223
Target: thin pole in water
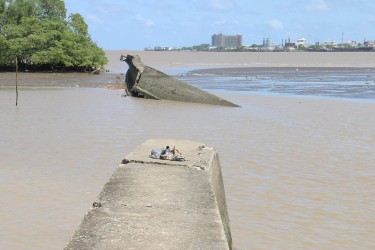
16	81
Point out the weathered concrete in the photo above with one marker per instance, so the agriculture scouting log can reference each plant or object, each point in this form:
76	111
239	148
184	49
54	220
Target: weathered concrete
160	204
147	82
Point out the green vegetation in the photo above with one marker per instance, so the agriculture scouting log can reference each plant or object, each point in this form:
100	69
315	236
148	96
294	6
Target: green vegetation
201	47
39	35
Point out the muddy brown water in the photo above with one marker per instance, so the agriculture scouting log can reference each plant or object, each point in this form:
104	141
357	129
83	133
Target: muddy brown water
298	171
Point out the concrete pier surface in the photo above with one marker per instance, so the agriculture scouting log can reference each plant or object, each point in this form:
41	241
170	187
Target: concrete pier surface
160	204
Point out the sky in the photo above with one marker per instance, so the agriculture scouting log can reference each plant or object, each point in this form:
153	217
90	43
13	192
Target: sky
138	24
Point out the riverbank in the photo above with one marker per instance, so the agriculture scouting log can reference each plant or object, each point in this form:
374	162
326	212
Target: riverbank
84	80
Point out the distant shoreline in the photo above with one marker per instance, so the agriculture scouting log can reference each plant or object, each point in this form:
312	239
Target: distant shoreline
202	60
235	70
171	62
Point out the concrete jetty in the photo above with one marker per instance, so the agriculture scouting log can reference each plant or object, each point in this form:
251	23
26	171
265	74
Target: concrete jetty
144	81
160	204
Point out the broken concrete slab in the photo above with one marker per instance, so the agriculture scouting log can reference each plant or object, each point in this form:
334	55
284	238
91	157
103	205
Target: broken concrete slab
160	204
147	82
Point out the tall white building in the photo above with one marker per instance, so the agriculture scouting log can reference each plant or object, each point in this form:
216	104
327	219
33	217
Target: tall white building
226	41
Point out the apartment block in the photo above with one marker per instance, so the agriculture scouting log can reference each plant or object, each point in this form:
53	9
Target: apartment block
226	41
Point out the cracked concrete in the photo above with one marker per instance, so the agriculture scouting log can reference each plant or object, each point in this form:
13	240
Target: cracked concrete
160	204
147	82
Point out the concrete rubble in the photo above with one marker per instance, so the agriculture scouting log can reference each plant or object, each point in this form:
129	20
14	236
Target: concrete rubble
144	81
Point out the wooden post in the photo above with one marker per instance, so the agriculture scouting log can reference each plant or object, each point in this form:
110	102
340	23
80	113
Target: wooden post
16	81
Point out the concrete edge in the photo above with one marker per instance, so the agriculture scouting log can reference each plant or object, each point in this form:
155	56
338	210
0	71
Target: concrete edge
206	157
217	183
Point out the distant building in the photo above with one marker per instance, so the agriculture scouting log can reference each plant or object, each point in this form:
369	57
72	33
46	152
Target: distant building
268	45
369	43
302	43
352	44
329	43
226	41
288	45
159	48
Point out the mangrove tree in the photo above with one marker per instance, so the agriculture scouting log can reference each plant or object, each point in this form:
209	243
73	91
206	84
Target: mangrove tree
39	35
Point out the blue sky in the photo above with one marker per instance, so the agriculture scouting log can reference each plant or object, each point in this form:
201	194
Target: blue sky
136	24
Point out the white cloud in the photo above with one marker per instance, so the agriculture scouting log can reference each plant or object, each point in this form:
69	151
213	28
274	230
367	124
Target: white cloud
220	22
317	5
94	19
221	5
144	21
275	24
106	9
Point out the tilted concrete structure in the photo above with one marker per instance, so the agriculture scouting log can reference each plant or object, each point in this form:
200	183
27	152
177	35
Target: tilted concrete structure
160	204
147	82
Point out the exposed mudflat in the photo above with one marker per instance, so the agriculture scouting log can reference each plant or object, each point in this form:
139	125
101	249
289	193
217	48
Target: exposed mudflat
85	80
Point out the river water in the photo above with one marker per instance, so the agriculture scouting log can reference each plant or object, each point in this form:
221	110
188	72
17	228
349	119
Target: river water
298	170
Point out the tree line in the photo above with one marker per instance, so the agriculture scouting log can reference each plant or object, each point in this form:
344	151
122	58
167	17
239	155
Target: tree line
38	35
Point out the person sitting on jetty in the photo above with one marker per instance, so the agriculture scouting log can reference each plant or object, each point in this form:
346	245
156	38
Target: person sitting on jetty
177	156
175	151
166	154
155	153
